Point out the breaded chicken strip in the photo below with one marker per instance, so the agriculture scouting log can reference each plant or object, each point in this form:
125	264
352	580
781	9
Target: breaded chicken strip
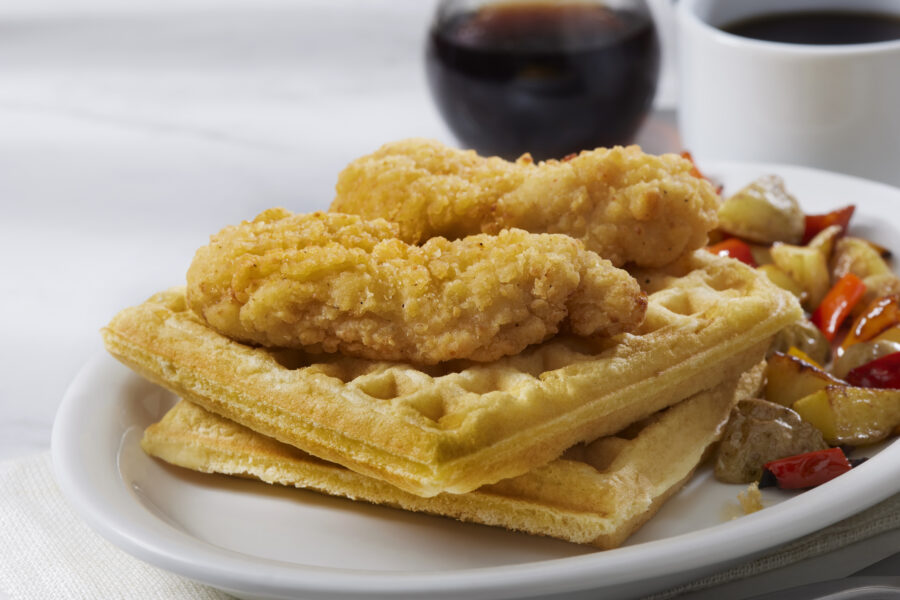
328	282
625	205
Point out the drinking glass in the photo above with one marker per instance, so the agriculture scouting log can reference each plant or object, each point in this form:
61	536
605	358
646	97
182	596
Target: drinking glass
550	77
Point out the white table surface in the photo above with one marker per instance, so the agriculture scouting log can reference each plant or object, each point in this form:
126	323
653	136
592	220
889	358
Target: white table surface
130	130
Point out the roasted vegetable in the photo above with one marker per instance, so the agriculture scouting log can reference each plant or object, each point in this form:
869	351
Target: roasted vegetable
891	334
734	248
808	267
825	240
860	354
857	256
816	223
809	469
757	432
882	373
879	315
843	380
789	379
763	212
837	304
877	286
761	253
851	415
798	353
804	336
777	276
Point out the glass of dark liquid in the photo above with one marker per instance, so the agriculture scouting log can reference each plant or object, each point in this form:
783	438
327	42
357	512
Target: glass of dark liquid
546	77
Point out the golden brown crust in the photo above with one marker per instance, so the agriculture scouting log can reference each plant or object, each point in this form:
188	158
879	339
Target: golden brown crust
327	282
462	425
628	206
596	494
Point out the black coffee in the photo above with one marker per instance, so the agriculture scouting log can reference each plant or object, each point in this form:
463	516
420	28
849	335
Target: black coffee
819	27
550	79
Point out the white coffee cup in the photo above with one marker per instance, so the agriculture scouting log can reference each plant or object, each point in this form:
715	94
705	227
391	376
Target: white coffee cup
835	107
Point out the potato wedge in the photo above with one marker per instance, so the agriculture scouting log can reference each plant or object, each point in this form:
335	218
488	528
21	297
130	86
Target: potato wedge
808	267
763	212
857	256
777	276
851	415
825	240
789	379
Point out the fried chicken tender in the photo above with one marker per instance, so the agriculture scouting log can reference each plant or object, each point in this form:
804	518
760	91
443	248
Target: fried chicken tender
329	282
625	205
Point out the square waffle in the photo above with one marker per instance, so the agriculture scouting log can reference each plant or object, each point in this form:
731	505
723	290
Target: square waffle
597	493
457	426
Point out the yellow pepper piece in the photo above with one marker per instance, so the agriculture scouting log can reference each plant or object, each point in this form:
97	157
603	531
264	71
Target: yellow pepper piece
798	353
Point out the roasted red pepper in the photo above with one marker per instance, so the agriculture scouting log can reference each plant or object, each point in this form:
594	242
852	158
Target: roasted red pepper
882	373
809	469
734	248
837	304
816	223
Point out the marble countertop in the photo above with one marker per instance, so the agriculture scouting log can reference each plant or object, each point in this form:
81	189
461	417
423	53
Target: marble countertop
131	130
121	121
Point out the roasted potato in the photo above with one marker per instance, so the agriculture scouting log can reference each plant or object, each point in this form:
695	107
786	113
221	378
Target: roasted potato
825	240
789	379
763	212
777	276
857	256
808	267
851	415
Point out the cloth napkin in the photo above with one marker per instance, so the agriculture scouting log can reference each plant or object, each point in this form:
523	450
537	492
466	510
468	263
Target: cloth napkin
47	552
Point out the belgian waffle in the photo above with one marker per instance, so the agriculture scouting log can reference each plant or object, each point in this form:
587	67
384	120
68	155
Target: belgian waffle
597	493
457	426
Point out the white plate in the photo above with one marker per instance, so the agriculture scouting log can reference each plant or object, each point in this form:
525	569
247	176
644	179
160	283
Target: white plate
256	540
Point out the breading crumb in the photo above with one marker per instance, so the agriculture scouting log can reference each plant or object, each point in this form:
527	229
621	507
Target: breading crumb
751	499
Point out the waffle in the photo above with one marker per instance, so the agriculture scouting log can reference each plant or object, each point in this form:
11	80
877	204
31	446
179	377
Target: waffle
457	426
596	494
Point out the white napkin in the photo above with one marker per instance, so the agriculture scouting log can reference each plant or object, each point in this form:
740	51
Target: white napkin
47	552
878	519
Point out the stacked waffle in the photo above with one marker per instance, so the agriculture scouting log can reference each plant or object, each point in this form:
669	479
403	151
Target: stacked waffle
579	437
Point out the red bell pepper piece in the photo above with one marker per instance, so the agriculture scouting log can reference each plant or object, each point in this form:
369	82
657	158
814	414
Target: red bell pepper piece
809	469
837	304
882	373
816	223
734	248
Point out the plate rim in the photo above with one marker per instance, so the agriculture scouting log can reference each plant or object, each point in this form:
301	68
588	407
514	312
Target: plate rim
231	570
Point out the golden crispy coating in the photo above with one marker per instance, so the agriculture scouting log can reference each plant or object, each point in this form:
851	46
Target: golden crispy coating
337	283
625	205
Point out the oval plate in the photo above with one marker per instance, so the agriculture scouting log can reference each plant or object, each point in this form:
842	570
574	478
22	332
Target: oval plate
261	541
